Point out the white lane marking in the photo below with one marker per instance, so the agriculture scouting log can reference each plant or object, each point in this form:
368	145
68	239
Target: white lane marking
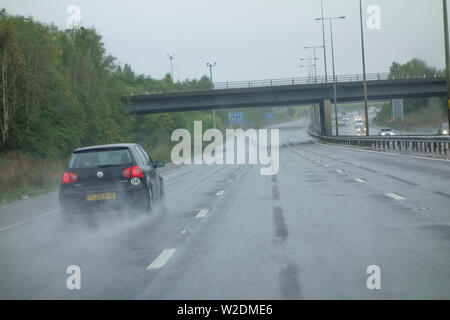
383	152
174	170
340	171
202	213
28	221
317	161
161	259
360	180
395	196
326	165
220	193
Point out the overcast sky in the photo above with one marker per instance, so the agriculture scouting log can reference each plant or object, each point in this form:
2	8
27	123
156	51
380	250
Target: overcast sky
250	39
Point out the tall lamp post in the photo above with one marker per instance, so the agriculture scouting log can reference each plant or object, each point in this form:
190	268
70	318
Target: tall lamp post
307	70
323	42
311	65
210	66
315	68
366	114
447	57
334	71
171	56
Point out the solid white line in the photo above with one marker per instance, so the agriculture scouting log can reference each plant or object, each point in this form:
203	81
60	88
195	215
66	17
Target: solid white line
202	213
161	260
219	193
174	170
360	180
395	196
28	221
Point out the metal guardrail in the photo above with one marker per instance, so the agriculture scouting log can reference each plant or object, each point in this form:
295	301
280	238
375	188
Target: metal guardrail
437	146
313	80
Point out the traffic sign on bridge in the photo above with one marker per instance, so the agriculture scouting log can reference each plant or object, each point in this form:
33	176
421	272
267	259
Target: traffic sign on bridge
235	117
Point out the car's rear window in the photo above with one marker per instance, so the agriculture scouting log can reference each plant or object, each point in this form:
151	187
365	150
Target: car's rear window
99	158
385	129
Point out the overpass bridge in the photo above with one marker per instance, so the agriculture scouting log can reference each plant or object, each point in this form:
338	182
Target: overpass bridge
288	92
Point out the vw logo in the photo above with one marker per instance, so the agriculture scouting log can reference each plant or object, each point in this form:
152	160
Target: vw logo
100	174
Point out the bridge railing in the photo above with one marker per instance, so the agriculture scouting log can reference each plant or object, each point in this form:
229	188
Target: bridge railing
314	80
435	146
304	80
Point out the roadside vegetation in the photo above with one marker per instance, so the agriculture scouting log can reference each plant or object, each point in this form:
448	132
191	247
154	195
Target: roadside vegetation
418	112
60	90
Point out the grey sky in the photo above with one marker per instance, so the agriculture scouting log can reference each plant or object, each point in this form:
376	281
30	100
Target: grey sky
249	39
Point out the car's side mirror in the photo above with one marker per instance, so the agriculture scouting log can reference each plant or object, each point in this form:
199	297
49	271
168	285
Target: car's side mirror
159	164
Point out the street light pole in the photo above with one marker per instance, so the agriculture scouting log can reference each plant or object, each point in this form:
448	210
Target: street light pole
315	60
211	65
447	57
307	70
310	67
334	79
334	71
171	56
323	42
366	113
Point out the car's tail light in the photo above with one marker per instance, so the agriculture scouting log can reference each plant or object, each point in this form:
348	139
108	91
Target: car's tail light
133	172
69	177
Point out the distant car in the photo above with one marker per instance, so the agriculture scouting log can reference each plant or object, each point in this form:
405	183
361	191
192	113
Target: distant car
360	127
114	176
358	124
443	129
387	132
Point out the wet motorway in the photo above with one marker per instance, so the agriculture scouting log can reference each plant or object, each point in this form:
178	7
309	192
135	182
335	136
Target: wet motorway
310	231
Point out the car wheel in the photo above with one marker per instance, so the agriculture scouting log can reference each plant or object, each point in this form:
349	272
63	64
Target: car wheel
163	198
149	203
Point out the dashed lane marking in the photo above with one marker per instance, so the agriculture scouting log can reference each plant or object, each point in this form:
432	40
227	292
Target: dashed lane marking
161	259
395	196
202	213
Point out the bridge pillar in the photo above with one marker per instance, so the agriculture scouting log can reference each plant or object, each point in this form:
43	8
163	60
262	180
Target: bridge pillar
325	118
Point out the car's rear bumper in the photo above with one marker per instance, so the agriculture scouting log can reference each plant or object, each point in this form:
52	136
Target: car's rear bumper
77	201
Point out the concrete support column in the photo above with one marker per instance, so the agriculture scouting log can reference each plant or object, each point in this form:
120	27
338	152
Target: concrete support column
325	118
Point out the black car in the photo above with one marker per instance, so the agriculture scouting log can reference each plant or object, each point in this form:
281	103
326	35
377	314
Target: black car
115	176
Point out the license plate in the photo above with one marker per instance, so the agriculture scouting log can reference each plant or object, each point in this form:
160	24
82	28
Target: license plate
101	196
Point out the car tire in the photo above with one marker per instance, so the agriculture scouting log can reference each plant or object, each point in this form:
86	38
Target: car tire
163	198
149	202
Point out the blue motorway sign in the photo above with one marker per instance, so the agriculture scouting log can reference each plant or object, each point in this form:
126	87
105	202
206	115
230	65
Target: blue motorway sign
269	115
235	117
